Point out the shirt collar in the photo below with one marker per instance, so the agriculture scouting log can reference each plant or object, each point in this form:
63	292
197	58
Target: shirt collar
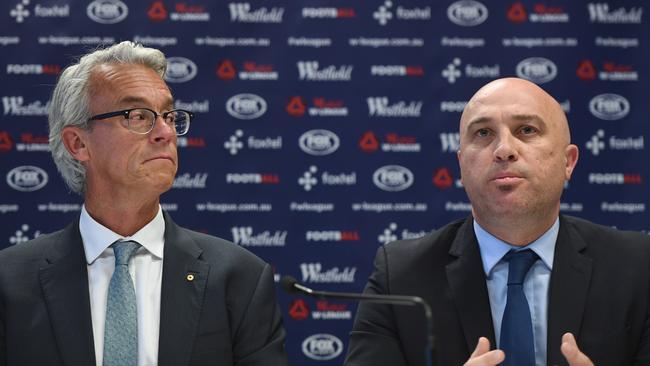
96	237
493	249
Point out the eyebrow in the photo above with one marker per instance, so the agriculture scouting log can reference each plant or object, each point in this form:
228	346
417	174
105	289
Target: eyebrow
518	117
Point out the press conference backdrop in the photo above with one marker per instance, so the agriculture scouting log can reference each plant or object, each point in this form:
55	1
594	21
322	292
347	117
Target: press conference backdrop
327	128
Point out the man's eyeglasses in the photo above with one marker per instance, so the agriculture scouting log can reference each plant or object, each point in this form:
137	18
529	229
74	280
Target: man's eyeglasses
142	120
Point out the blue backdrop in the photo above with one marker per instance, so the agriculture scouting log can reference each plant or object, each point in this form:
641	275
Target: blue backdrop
327	127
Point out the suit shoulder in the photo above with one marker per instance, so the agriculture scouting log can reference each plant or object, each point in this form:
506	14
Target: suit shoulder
225	251
607	238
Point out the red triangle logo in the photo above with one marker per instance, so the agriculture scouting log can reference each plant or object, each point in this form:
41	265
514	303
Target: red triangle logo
296	107
157	11
586	70
226	70
368	142
517	13
298	310
5	142
442	178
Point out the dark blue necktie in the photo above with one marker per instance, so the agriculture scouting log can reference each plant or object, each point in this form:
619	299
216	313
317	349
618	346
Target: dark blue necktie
516	326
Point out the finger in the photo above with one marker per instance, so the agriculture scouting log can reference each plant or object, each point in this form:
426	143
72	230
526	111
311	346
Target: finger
482	356
572	353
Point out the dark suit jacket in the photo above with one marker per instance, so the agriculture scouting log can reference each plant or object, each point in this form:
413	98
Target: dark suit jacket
226	316
599	291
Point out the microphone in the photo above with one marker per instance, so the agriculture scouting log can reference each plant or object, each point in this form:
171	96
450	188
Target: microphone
292	286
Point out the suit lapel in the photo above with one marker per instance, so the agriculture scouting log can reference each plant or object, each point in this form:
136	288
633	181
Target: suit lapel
568	289
183	286
467	283
64	281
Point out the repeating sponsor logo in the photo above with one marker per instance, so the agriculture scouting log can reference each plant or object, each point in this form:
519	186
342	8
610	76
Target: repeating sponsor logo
616	42
250	70
309	42
183	12
309	178
332	235
23	234
195	106
170	207
9	40
234	143
156	41
540	13
31	143
385	42
8	208
390	234
467	13
58	207
314	272
530	42
597	143
107	11
609	106
610	71
190	142
224	207
33	69
243	13
449	141
600	13
189	181
246	106
320	107
443	179
27	178
571	207
232	41
624	207
384	13
246	236
319	142
380	207
20	12
317	207
16	106
539	70
180	70
311	71
325	310
455	106
397	70
462	42
458	206
381	107
322	347
6	142
453	71
392	142
393	178
615	178
252	178
328	13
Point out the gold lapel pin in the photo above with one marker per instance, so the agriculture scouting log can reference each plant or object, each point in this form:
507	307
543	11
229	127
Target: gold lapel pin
190	277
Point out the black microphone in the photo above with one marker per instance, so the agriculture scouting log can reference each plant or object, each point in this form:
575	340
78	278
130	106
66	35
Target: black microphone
292	286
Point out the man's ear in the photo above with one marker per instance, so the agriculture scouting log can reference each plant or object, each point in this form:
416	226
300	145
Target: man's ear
572	154
75	141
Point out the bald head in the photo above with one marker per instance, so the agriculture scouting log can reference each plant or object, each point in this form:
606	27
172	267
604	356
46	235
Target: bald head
534	102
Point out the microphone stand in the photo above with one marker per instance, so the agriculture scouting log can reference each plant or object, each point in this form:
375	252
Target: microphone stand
292	286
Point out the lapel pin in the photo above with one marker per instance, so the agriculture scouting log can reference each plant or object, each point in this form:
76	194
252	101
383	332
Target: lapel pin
190	277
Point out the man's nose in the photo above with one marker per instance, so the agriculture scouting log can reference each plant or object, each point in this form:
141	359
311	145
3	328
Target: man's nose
505	149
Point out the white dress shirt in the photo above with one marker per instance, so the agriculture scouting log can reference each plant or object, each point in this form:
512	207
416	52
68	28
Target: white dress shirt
145	268
536	283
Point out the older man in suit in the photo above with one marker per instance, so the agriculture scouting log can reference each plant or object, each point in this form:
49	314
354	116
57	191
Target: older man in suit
516	283
123	284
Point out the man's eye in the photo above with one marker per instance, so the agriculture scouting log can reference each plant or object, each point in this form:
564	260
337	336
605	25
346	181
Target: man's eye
528	130
483	132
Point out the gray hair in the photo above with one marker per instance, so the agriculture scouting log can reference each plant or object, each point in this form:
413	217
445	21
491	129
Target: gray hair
70	103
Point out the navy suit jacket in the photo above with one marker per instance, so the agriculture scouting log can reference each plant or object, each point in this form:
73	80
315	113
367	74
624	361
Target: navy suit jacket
227	315
599	291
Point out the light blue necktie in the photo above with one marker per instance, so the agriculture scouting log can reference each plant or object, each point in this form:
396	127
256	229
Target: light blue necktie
121	327
517	339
